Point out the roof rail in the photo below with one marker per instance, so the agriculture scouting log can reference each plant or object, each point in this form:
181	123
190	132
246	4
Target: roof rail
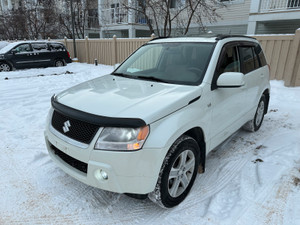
223	36
217	36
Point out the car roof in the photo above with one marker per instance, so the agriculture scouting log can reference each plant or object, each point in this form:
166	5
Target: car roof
209	39
14	44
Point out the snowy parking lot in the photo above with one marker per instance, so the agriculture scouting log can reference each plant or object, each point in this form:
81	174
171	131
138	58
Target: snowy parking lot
252	178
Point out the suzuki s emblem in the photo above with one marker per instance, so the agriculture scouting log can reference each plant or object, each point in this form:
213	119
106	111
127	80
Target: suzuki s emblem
66	126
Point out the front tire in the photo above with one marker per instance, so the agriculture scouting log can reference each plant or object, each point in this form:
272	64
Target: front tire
178	173
255	124
5	67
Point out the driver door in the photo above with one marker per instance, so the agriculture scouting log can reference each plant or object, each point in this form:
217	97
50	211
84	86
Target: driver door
228	103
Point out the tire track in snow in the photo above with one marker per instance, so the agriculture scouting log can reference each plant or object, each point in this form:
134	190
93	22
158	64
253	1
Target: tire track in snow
223	165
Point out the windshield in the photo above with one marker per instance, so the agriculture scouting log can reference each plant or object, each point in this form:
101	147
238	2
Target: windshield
3	44
178	63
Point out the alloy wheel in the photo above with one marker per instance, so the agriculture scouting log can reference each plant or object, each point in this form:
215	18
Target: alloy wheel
181	173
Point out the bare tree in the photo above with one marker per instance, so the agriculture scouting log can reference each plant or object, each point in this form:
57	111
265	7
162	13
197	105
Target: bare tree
43	19
81	8
165	15
31	20
13	25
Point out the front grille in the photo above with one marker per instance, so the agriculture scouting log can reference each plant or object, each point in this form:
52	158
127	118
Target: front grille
77	129
81	166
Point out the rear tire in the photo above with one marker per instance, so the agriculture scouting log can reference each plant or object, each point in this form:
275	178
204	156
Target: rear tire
177	174
59	63
5	67
255	124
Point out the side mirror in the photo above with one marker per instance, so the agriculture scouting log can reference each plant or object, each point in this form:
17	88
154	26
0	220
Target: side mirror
231	80
14	51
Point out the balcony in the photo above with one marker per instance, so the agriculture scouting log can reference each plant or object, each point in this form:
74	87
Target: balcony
278	5
119	15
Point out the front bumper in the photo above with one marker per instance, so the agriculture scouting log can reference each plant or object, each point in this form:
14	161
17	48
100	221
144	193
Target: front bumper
128	172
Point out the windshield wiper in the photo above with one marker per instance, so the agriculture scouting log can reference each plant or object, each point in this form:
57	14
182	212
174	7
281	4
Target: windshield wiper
152	79
121	74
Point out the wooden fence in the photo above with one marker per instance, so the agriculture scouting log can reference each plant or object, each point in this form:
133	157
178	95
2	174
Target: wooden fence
282	53
107	51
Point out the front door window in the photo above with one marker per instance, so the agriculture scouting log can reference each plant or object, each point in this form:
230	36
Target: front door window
24	48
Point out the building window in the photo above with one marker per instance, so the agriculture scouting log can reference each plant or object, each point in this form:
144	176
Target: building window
177	3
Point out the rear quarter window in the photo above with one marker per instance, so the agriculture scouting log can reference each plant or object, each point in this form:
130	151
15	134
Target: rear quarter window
262	59
56	47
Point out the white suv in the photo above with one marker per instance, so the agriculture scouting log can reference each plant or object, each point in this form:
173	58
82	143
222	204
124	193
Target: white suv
146	129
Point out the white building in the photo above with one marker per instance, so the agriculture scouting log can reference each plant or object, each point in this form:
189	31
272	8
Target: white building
274	16
7	5
237	17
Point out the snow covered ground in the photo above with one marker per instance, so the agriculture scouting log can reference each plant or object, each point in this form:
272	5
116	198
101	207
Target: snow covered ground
252	178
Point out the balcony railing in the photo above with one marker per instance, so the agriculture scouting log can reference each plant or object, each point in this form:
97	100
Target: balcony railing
119	15
115	16
277	5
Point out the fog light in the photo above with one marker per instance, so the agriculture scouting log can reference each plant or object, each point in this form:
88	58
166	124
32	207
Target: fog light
104	175
100	175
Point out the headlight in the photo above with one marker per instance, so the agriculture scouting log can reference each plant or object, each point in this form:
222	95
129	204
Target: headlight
114	138
1	56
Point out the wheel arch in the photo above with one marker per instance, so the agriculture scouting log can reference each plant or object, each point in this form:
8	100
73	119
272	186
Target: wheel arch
266	93
198	134
8	62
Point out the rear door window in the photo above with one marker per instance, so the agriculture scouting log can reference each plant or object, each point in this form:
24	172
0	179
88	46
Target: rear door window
247	59
40	47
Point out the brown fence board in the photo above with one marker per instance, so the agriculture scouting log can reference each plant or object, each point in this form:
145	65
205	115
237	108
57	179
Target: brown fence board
282	60
275	57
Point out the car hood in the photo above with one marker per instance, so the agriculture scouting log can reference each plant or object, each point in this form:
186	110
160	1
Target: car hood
113	96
